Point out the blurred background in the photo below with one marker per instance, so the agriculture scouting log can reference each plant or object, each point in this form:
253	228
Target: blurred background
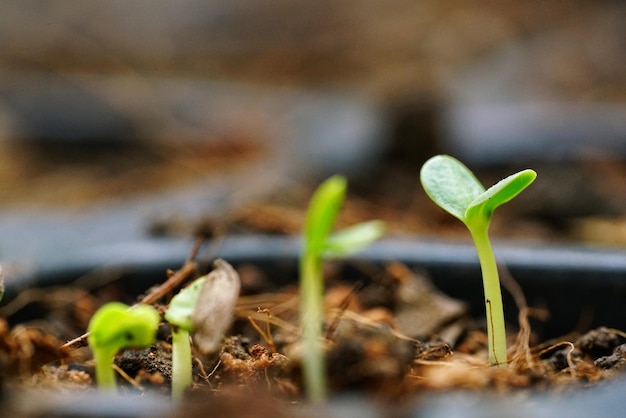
124	121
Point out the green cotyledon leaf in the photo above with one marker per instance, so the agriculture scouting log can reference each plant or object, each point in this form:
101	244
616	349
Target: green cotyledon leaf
323	211
182	305
499	193
353	238
116	325
450	184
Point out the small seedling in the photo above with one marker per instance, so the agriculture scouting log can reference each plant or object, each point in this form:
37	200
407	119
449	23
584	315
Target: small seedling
205	306
179	316
115	326
319	243
453	187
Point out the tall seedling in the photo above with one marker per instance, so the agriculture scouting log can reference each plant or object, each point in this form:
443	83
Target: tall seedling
319	243
453	187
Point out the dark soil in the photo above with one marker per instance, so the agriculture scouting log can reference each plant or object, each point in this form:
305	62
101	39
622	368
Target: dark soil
373	348
392	335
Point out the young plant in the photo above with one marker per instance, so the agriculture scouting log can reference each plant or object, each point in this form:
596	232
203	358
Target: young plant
319	243
179	316
206	306
453	187
115	326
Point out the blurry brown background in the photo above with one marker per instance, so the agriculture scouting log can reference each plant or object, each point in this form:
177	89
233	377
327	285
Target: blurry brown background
136	113
565	49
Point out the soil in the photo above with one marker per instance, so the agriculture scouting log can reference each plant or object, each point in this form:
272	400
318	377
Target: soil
391	335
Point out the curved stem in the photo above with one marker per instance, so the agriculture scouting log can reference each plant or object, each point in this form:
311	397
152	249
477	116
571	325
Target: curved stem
311	317
496	332
181	362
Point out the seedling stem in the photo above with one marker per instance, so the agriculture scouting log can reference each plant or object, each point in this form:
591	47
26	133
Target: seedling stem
494	308
320	243
181	362
312	294
453	187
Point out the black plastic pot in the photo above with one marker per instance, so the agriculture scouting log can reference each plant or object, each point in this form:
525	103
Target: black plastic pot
570	282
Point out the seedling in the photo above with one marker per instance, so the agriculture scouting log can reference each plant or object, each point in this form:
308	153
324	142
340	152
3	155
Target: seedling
318	244
179	316
115	326
453	187
205	306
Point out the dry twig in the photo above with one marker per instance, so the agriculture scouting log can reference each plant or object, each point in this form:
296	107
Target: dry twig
173	281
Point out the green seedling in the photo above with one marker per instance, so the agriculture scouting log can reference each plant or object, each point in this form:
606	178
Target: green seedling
179	316
205	306
319	243
453	187
115	326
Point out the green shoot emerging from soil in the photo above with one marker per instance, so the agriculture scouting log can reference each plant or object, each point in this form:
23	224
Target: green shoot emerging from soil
115	326
453	187
179	316
206	306
318	244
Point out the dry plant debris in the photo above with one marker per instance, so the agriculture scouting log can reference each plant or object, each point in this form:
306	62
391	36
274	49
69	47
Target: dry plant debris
369	349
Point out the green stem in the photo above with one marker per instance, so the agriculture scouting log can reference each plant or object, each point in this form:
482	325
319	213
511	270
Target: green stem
105	375
496	332
311	313
181	362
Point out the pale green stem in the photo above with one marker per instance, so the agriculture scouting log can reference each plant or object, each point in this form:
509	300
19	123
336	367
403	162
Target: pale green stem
496	332
105	375
312	316
181	362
